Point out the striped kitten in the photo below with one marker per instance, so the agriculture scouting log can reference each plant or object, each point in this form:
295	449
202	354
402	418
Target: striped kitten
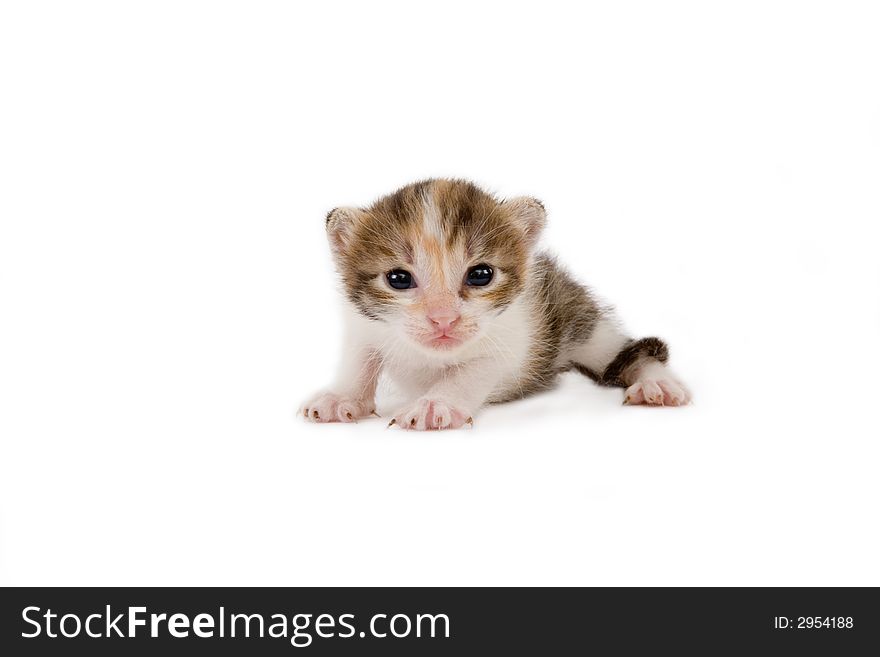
447	296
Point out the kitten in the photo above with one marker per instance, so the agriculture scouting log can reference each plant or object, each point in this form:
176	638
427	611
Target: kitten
447	296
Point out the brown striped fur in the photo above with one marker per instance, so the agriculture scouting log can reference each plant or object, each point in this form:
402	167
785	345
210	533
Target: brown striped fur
566	313
473	227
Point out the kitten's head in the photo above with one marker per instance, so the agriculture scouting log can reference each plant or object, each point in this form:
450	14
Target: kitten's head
436	260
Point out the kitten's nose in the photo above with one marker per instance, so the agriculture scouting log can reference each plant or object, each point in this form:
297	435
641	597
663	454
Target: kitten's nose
443	319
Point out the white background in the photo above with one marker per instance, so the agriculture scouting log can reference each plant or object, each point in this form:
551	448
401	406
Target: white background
167	296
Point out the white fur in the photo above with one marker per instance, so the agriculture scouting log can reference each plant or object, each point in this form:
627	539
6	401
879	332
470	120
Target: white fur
445	387
599	350
656	385
467	376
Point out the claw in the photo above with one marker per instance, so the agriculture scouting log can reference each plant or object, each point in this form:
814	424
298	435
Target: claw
348	415
626	401
391	424
315	415
470	421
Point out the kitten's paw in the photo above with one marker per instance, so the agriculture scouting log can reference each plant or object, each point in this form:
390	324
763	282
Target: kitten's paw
428	414
662	390
330	407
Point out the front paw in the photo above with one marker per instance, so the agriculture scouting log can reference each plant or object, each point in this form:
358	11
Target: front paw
662	390
429	414
330	407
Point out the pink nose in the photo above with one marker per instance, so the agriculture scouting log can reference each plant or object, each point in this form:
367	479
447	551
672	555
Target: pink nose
443	319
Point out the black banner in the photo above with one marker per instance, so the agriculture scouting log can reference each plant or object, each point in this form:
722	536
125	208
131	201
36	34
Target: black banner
438	621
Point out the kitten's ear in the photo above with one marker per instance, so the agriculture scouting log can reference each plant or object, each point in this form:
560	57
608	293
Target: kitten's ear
340	225
530	214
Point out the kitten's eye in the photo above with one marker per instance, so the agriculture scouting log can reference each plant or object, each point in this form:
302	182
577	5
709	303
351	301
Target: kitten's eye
400	279
479	275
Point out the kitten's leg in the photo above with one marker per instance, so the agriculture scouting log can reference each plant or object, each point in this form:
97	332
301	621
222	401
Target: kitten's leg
610	357
450	403
353	394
